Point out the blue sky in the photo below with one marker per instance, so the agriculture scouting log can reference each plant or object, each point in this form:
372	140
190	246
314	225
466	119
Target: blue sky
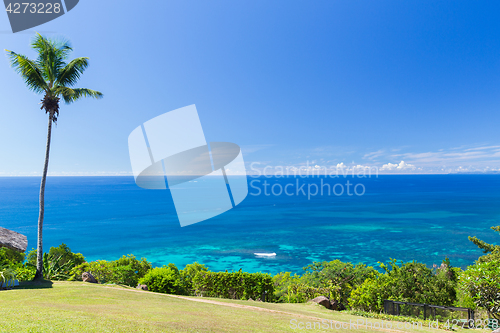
367	83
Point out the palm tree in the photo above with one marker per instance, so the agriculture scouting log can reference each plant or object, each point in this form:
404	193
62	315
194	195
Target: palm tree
53	77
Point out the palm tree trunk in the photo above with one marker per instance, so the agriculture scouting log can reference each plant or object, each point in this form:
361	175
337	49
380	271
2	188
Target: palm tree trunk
39	252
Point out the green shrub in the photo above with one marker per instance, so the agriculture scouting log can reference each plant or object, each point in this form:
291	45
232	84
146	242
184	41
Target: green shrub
486	247
31	257
334	279
493	256
64	252
53	269
14	260
290	288
445	284
25	272
234	285
410	282
127	270
187	275
284	283
481	282
10	257
166	279
57	263
337	278
370	295
7	275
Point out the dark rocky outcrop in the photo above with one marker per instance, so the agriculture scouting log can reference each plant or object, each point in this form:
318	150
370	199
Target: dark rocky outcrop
88	277
322	300
142	287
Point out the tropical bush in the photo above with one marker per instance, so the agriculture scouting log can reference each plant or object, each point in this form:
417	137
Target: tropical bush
7	275
370	295
334	279
57	264
10	257
286	288
166	279
53	269
492	256
25	272
14	260
127	270
65	255
290	288
338	277
482	283
187	275
56	257
410	282
301	292
234	285
486	247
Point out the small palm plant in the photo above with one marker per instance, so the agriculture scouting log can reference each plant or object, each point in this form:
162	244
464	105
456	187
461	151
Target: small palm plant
51	75
53	270
7	276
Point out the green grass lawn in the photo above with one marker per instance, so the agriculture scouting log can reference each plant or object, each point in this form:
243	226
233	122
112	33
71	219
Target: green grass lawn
84	307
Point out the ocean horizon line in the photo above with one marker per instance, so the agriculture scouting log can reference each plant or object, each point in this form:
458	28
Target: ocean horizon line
278	176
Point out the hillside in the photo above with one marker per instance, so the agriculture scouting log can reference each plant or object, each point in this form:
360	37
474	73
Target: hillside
77	306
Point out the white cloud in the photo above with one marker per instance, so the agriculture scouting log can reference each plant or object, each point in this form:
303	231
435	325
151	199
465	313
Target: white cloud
469	158
402	166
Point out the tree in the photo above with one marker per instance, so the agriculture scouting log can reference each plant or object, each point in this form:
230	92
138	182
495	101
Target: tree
339	277
482	282
487	248
64	253
53	77
411	282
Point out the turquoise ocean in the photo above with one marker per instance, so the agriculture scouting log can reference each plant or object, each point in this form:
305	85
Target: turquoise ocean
406	217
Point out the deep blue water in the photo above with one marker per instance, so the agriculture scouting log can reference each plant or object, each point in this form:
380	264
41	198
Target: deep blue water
421	217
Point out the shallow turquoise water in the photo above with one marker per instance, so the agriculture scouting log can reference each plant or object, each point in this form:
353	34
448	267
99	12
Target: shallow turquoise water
422	217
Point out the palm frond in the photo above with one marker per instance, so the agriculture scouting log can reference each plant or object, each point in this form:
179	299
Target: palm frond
51	55
71	95
69	75
29	71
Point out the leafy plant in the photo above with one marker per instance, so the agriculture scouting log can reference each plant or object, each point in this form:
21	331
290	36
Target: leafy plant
337	277
10	257
64	252
53	269
187	276
164	279
284	285
492	256
234	285
486	247
482	283
7	276
370	295
25	272
410	282
334	279
127	270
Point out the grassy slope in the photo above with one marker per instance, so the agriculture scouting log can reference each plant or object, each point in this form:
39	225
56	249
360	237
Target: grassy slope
77	306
